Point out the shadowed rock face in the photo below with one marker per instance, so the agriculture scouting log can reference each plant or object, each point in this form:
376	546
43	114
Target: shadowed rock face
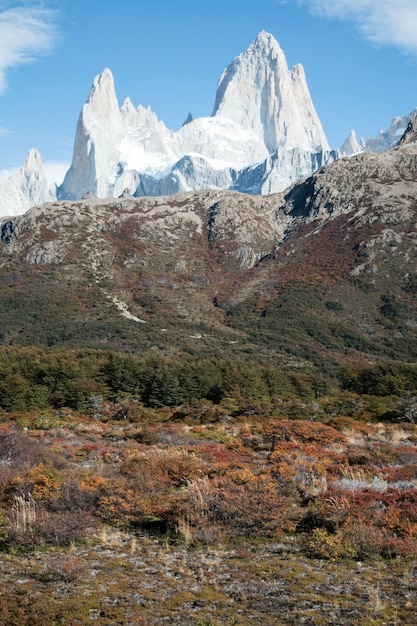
410	134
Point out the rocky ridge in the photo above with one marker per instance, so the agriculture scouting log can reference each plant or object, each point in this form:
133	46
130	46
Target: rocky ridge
252	226
223	262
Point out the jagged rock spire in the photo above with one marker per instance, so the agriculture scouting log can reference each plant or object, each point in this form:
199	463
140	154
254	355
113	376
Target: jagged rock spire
26	188
258	91
263	135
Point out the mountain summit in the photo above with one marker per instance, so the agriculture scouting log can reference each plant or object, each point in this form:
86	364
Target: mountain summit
264	133
258	91
26	188
99	132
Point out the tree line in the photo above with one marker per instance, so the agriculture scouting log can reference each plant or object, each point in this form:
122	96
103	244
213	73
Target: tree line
32	378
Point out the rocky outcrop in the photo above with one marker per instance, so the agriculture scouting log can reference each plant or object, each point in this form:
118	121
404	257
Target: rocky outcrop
387	139
410	134
240	228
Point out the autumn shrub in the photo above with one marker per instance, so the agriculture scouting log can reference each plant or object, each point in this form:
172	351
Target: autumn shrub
45	482
161	465
26	463
64	528
18	449
303	467
145	483
65	568
302	431
399	474
250	505
3	530
322	544
79	493
220	459
377	521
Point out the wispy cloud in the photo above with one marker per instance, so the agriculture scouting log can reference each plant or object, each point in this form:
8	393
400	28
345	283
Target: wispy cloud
391	22
26	33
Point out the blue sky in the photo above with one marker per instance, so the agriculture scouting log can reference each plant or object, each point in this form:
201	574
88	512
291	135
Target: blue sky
360	58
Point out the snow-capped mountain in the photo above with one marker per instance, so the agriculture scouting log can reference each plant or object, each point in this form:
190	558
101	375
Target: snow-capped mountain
25	189
385	139
351	145
264	134
258	91
388	138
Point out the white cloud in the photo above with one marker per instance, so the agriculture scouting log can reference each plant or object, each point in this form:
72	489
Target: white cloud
55	171
6	173
392	22
25	34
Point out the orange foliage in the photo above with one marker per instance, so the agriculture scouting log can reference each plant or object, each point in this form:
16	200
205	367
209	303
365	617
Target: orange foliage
46	482
93	482
301	431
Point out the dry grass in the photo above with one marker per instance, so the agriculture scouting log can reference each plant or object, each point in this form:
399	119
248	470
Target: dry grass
252	583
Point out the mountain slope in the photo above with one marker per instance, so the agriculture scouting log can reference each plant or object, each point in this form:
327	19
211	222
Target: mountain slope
322	273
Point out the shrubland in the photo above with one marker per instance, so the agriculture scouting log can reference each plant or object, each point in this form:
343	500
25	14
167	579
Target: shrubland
208	457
